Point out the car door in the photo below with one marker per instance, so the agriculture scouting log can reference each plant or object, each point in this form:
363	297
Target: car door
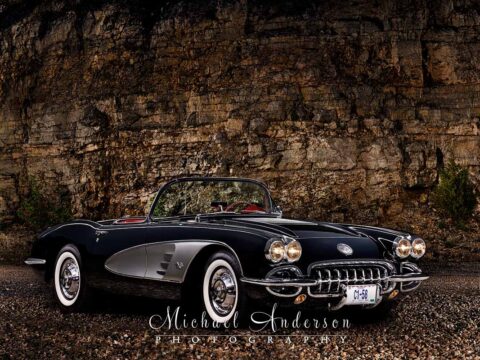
121	249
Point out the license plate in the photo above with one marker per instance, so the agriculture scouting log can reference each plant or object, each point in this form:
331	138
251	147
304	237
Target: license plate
361	294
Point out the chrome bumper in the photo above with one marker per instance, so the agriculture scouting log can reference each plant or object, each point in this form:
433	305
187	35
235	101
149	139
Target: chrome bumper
408	278
385	276
280	282
35	261
311	282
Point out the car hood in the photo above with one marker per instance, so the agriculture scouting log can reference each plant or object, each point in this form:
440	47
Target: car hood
319	240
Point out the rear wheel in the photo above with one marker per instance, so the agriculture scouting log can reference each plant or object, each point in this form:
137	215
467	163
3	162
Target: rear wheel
222	292
70	287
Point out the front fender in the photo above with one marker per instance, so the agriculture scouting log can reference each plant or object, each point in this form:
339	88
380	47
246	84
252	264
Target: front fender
47	245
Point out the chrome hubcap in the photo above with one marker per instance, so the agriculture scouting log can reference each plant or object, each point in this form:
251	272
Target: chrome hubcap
222	291
69	279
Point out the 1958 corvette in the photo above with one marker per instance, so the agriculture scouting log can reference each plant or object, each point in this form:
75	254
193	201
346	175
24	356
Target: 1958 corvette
221	241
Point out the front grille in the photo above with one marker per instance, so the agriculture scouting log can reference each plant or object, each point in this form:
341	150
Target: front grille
333	277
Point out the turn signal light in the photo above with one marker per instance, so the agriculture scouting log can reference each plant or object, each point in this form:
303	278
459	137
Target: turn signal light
393	294
300	299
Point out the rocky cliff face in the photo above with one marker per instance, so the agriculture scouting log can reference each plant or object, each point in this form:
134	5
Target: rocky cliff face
344	108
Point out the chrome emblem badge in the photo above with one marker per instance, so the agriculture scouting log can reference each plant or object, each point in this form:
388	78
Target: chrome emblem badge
345	249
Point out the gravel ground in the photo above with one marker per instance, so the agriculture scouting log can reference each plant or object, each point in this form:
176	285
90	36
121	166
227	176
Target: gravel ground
440	320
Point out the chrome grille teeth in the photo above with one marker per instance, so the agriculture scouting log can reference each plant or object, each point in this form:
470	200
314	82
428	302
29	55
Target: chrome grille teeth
332	279
319	272
329	280
339	275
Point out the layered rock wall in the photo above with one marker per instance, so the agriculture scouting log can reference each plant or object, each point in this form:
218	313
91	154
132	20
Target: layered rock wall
344	108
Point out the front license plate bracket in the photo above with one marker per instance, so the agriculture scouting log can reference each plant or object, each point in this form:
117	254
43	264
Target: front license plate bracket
362	294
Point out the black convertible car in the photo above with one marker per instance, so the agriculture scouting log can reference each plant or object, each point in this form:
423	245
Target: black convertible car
220	241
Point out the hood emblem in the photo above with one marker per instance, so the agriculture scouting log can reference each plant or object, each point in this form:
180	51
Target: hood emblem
345	249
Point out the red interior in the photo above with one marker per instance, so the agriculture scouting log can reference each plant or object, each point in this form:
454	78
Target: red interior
252	208
130	220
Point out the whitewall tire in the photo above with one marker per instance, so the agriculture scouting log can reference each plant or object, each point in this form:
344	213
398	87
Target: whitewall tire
221	292
69	282
67	278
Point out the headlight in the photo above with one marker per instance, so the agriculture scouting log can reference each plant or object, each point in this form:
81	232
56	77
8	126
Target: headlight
276	252
283	248
294	251
418	248
403	248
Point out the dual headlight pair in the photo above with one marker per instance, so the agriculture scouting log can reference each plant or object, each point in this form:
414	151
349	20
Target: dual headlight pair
284	248
404	248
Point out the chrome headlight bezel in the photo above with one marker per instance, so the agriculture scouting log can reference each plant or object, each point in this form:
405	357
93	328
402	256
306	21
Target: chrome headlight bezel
287	244
402	247
275	244
294	246
418	242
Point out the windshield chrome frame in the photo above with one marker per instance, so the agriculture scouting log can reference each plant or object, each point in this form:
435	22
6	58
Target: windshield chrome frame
272	204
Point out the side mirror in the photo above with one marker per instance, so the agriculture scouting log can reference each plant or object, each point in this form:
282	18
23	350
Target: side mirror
277	210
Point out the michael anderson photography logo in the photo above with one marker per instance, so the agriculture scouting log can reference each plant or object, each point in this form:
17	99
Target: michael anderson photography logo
261	326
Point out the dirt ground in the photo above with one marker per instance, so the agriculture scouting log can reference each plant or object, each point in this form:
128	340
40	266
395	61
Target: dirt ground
439	321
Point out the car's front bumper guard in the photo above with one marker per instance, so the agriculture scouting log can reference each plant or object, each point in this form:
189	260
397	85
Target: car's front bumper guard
35	261
305	282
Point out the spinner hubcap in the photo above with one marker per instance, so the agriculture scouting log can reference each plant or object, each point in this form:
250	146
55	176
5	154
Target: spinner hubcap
69	278
222	291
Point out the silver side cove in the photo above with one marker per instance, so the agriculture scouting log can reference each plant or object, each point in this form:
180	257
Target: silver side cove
131	262
170	262
163	261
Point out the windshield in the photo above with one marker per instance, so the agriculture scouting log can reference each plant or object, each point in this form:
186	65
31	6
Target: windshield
193	197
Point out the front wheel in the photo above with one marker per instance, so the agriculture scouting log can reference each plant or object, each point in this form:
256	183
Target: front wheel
222	293
70	288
